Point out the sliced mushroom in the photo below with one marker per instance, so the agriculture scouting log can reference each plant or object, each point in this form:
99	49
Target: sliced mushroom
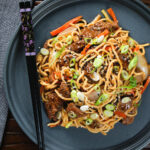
93	95
142	65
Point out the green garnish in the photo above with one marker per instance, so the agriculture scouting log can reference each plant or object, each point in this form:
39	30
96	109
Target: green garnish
55	40
110	107
68	125
71	114
131	42
124	49
87	40
74	96
101	99
72	62
126	100
108	113
69	39
44	51
98	61
97	88
125	75
88	121
57	55
73	84
116	68
133	82
75	73
133	62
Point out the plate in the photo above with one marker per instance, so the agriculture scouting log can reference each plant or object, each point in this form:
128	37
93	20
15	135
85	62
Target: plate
133	16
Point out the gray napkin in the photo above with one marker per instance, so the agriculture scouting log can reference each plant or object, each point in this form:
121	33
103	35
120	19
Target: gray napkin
9	19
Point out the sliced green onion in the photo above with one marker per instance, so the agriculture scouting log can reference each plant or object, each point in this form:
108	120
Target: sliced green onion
74	96
125	75
108	113
105	39
112	33
55	40
98	61
88	121
133	81
68	125
126	100
101	99
116	68
87	40
44	51
75	73
71	114
94	69
133	62
97	40
124	49
73	84
97	88
110	107
131	42
69	39
94	116
72	62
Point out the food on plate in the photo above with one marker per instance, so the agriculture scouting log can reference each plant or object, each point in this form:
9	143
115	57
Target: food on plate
92	75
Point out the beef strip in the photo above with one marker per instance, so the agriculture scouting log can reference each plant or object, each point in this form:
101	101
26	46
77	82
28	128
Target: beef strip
88	32
75	109
128	120
105	25
77	46
46	45
64	89
53	105
65	61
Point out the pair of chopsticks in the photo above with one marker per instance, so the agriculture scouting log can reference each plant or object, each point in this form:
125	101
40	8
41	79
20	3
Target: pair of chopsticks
30	53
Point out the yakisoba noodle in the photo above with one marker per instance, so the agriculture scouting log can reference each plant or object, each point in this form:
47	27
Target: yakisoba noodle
92	88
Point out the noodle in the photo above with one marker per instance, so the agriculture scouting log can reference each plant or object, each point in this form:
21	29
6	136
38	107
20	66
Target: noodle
111	83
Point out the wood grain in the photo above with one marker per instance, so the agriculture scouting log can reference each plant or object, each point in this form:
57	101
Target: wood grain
15	139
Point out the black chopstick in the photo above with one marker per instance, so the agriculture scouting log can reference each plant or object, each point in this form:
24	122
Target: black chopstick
27	30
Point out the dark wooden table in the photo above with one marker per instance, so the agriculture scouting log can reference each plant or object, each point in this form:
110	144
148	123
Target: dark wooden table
14	137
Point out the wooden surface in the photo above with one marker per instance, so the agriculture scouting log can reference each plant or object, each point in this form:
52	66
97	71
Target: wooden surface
15	139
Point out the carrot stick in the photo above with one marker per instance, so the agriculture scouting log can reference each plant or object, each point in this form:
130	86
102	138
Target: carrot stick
145	85
85	49
112	14
120	114
105	32
136	49
65	26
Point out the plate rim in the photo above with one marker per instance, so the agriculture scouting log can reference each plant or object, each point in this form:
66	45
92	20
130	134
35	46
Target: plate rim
141	143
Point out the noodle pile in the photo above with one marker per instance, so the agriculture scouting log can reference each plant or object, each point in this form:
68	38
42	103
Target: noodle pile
107	79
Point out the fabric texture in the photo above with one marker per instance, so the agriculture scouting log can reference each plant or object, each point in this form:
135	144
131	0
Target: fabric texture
9	20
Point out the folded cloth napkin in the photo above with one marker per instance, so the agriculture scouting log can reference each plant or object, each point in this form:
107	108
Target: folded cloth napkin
9	19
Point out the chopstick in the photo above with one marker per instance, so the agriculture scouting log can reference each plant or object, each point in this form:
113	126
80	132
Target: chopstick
30	53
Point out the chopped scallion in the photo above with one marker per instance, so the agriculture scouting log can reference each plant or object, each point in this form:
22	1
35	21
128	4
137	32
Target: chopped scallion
88	121
72	62
108	113
44	51
110	107
98	61
68	125
101	99
133	62
74	95
124	49
125	75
